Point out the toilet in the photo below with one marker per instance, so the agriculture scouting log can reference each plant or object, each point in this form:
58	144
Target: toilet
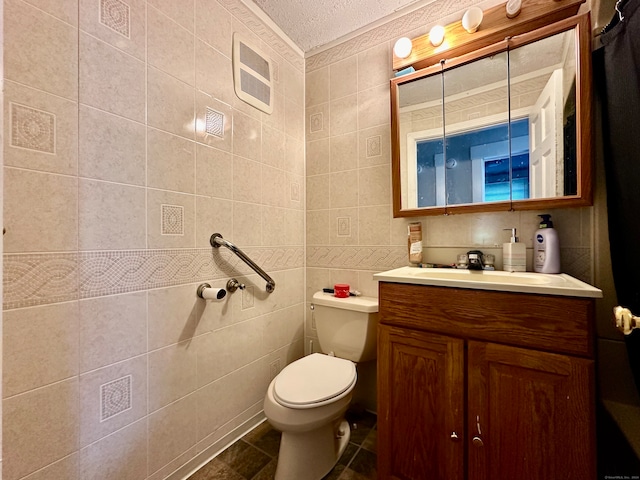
307	400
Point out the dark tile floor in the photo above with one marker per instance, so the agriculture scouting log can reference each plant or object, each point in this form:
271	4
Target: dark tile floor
254	456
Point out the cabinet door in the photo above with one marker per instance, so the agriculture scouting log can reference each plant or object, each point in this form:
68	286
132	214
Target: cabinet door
530	415
420	405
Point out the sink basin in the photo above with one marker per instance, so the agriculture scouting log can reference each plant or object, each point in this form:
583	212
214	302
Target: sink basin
523	282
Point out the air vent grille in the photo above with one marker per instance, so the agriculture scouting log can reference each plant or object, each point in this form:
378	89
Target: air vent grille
252	74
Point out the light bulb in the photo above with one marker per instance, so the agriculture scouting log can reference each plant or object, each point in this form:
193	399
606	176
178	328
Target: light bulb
403	47
472	19
436	35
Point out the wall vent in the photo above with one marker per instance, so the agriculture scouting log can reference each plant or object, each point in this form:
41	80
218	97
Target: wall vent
252	75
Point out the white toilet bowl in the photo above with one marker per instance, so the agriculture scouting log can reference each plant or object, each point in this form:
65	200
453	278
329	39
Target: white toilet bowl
307	402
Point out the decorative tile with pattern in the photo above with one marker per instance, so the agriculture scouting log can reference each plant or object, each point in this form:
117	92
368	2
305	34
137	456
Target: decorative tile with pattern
115	397
357	258
33	129
214	123
172	220
374	146
39	279
316	122
344	226
115	15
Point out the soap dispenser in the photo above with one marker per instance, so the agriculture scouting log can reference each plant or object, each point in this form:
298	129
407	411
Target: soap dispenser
546	254
514	254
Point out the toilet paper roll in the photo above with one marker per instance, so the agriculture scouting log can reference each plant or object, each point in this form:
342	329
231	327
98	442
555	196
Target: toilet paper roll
208	293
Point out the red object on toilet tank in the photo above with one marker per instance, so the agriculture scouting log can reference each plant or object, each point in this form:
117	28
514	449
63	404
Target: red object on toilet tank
341	290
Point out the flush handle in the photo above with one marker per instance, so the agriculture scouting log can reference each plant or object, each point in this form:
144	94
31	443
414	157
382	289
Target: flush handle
455	437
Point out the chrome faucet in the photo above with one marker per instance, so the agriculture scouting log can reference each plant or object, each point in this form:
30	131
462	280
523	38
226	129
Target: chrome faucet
476	260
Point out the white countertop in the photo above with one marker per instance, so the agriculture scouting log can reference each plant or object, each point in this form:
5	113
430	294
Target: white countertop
520	282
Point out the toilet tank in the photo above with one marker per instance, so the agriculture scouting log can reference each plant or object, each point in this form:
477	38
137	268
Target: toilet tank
346	326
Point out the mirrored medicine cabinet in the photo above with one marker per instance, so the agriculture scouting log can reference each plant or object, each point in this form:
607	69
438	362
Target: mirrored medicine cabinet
506	127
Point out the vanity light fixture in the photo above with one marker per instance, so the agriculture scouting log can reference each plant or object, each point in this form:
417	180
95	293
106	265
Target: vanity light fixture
402	48
472	19
436	35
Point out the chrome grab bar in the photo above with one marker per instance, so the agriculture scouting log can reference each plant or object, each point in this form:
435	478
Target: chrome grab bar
217	241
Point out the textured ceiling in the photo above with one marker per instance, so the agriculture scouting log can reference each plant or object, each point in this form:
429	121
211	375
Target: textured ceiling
313	23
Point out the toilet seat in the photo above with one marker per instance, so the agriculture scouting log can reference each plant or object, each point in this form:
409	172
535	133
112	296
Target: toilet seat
313	381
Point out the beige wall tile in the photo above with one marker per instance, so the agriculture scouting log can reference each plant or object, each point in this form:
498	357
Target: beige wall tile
247	224
293	119
374	146
276	118
317	87
66	468
170	162
54	148
40	346
172	431
373	107
272	147
111	148
170	104
66	11
293	81
247	137
344	115
317	122
125	31
226	350
375	225
121	455
318	156
294	160
294	227
230	396
170	219
294	195
40	50
283	327
111	80
343	78
374	67
318	227
172	373
318	192
375	186
112	329
172	315
212	215
121	389
111	216
344	152
213	25
247	180
182	13
39	427
40	202
205	104
344	226
273	231
274	192
343	193
214	172
214	73
170	46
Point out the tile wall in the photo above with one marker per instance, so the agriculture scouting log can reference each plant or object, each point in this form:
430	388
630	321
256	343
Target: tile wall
113	368
351	232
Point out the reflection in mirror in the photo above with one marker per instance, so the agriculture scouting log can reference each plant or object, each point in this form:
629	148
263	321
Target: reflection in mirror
420	103
476	100
511	132
543	84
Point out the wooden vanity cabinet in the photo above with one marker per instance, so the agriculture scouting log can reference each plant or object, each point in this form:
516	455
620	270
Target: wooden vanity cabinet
484	385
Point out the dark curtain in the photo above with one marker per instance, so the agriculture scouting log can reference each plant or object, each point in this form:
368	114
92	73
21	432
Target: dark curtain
617	75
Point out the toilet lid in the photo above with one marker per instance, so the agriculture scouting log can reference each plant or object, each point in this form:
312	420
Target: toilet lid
314	380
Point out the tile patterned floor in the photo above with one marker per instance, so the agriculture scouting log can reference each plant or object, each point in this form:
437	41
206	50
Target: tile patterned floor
254	456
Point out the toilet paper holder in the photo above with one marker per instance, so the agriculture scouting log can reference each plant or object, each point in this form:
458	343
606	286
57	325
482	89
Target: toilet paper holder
207	292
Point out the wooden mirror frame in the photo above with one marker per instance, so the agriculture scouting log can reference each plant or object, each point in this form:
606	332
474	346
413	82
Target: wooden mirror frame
584	123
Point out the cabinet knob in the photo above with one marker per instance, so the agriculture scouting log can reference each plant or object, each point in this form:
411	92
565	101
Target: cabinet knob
454	437
477	442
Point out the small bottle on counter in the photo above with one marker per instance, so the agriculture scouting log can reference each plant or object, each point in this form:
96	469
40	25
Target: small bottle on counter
514	254
415	243
546	255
